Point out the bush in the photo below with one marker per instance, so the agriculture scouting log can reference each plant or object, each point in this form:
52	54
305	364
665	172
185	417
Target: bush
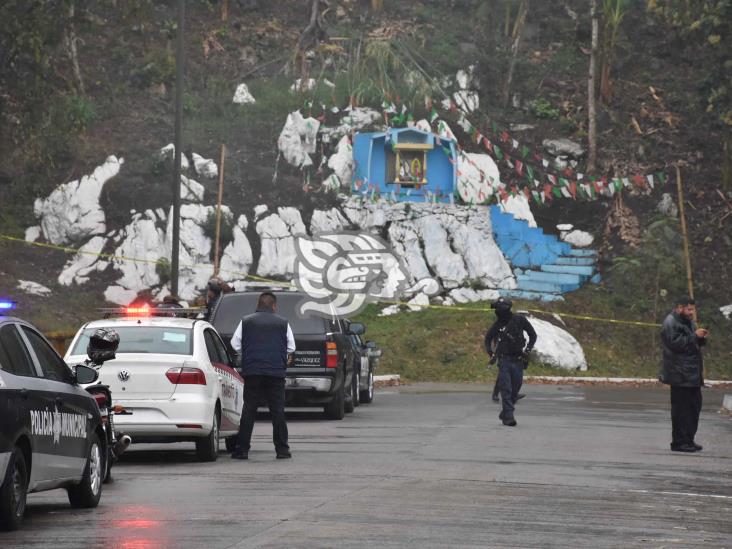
544	109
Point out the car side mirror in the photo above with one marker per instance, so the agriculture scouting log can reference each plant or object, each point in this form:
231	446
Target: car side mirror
84	375
356	328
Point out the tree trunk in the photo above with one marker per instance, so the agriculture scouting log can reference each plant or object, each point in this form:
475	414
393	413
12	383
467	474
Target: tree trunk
309	37
727	160
377	5
591	113
518	28
224	10
70	40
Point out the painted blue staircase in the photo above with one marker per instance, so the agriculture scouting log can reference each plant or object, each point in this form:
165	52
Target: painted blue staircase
545	267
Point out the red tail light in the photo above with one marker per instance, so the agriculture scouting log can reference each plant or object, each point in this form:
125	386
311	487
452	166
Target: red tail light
101	399
186	376
331	355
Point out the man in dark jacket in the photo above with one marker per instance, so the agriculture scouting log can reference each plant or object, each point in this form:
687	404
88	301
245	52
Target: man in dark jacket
512	354
263	341
681	342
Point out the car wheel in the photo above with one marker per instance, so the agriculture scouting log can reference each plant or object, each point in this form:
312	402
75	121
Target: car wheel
89	490
336	408
230	443
207	449
355	390
108	475
13	492
367	396
351	397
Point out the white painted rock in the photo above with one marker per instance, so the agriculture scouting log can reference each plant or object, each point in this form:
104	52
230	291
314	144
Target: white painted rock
242	95
33	288
581	239
478	177
205	167
119	295
191	190
726	310
327	221
72	213
342	162
237	256
78	268
519	207
297	139
557	347
32	233
168	153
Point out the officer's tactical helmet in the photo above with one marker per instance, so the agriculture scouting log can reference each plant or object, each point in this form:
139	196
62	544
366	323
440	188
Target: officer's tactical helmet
502	304
102	345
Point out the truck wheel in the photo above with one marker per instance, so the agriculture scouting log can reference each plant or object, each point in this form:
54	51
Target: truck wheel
13	492
86	494
356	386
367	396
351	397
336	408
207	449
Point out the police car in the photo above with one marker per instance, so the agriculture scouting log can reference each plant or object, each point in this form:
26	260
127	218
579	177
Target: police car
172	378
51	434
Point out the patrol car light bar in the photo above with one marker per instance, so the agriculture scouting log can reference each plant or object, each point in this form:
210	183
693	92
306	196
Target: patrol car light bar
6	305
137	311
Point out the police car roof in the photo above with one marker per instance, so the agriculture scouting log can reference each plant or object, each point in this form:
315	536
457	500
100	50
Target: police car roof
161	321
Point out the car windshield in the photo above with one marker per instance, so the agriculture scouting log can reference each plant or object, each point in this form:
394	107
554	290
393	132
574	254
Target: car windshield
235	306
144	339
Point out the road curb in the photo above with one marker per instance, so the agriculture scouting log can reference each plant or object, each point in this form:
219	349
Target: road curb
389	380
614	380
727	403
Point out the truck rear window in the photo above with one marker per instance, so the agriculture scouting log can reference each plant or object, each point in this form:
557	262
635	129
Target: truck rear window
234	307
145	339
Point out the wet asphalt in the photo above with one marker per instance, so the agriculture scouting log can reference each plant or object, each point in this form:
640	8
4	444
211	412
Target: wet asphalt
425	465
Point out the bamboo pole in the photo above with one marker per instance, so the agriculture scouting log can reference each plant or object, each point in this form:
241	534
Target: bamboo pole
685	235
218	210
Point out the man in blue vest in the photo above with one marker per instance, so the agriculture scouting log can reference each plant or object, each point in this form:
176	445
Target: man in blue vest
263	341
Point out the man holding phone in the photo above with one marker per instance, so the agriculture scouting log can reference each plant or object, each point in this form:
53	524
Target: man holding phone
681	343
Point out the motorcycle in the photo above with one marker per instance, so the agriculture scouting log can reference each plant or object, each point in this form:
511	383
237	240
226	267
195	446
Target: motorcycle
102	347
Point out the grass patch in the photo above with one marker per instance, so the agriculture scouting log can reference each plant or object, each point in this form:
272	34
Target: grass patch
447	346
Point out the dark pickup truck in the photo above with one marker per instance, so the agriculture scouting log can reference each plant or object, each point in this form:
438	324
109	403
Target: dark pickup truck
322	373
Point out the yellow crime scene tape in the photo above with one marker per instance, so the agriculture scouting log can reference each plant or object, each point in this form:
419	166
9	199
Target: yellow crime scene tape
273	282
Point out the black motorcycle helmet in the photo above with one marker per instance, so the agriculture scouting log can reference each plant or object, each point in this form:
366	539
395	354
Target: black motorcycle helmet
102	345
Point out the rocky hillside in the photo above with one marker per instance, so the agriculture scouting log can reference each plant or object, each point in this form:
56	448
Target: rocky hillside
61	124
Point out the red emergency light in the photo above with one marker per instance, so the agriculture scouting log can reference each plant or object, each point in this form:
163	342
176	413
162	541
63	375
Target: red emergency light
137	310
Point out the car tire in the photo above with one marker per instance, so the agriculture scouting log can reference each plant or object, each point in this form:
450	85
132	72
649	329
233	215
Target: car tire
207	449
356	389
86	494
13	492
351	397
367	396
230	443
336	408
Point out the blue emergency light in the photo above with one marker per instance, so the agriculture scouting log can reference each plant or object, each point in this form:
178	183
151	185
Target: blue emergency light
6	305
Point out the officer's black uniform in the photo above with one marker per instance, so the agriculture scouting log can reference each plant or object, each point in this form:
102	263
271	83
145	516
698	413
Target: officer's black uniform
508	330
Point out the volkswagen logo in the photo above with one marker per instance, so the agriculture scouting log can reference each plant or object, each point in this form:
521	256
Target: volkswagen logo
124	375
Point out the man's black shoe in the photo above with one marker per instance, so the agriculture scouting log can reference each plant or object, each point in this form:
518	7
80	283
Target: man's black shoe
239	455
288	455
688	448
519	396
510	422
698	447
500	415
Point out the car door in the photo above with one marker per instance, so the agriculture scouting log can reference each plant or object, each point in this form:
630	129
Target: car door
23	388
68	404
231	388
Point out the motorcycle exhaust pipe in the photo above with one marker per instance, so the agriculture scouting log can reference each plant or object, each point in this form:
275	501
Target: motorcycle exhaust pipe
121	445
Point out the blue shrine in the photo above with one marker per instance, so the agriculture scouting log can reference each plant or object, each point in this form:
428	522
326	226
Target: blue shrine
407	164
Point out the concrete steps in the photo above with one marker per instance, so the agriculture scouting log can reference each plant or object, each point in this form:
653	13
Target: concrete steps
545	266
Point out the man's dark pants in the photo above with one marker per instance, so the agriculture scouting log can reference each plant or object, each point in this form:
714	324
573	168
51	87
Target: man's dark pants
686	403
510	379
271	390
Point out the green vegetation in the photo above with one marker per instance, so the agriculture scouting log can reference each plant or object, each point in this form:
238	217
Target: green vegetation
544	109
447	345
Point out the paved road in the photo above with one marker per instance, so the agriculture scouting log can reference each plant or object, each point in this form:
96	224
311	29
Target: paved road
425	466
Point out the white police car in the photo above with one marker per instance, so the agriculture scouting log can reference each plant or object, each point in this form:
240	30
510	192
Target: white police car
172	377
51	434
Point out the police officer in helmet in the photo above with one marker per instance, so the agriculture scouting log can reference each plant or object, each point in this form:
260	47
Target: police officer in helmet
511	352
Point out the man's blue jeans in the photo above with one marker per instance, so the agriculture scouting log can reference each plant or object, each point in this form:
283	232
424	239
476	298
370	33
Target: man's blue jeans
510	379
